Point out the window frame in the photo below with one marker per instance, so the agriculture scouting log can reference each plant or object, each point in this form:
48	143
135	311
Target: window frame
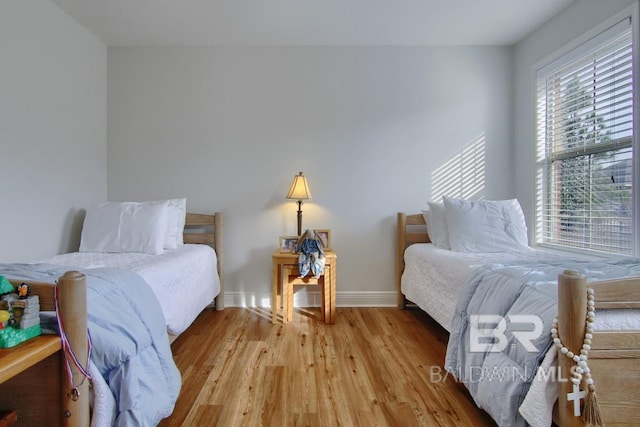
575	49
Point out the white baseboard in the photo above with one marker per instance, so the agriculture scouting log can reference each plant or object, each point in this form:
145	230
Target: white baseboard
303	298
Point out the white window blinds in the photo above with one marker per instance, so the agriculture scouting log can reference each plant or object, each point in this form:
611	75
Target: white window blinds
585	134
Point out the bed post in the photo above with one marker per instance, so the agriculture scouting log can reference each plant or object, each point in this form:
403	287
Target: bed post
572	314
72	306
402	244
219	234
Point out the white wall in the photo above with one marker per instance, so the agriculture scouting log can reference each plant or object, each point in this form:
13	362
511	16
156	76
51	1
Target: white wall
374	128
52	128
578	19
229	127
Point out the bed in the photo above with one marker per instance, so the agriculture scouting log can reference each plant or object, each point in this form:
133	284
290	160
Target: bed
185	279
614	358
93	270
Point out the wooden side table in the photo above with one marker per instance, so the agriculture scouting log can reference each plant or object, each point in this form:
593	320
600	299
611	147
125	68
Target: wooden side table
285	275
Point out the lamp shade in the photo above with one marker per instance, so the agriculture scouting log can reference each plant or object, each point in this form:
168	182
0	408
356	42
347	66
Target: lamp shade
299	188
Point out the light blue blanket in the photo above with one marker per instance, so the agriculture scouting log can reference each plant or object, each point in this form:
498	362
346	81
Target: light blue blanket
498	371
129	338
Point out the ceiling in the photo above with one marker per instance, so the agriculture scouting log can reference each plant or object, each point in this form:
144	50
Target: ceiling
311	22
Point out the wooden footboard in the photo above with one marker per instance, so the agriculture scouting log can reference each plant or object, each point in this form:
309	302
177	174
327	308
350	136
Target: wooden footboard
614	358
36	384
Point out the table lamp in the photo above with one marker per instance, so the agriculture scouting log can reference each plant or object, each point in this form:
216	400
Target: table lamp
299	191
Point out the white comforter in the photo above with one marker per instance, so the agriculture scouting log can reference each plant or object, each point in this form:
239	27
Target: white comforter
185	280
433	277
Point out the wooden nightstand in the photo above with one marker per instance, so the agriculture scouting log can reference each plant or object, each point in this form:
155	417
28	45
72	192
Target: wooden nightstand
284	276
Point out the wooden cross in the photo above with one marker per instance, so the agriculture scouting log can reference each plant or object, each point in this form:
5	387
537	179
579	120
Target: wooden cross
576	396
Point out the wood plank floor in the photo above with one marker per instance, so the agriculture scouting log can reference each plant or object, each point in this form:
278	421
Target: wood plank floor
374	367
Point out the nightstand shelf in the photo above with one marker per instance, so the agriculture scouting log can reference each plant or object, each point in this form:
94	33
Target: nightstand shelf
17	359
285	275
34	385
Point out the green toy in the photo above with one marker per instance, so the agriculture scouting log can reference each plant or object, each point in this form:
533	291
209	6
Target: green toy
5	286
19	314
10	336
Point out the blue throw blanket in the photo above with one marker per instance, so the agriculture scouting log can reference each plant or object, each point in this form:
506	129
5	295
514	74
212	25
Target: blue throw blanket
129	338
498	371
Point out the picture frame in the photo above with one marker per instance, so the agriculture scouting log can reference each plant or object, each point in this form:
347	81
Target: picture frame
287	244
325	237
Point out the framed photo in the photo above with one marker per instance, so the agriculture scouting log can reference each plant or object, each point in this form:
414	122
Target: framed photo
288	243
325	237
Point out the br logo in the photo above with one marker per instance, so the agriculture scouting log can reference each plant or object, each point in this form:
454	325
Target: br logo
488	332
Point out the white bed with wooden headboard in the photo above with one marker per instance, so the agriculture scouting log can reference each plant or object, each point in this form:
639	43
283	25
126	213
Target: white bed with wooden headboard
185	279
614	358
433	271
203	244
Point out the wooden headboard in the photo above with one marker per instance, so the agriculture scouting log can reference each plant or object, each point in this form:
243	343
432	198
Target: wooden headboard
208	230
411	229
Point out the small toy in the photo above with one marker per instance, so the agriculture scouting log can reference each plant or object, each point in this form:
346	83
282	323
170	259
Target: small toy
20	314
23	291
26	312
4	318
311	252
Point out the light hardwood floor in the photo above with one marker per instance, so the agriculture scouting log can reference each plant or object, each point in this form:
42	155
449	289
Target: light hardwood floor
374	367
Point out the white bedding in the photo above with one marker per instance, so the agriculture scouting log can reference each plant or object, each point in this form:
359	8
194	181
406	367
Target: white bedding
184	279
434	277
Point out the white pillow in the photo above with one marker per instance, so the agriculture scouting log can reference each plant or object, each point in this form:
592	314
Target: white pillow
125	227
437	224
101	229
485	226
175	225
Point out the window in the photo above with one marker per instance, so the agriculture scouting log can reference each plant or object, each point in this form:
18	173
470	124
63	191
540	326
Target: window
585	134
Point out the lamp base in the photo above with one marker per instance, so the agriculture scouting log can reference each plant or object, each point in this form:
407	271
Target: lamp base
299	217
